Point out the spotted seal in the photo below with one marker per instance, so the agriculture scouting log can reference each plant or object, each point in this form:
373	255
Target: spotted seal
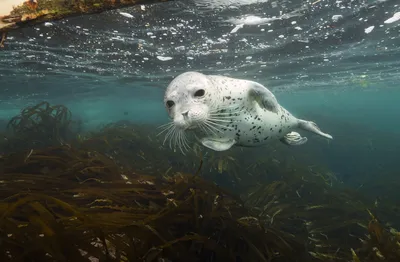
223	112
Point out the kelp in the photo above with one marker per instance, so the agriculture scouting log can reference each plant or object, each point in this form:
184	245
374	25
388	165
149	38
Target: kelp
329	219
380	244
15	14
136	146
73	205
40	125
119	194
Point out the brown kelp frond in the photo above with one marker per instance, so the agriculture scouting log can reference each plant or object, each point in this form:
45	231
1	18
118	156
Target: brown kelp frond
76	204
118	195
329	219
40	116
381	243
40	126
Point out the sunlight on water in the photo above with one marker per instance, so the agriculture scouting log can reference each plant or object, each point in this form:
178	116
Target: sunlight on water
289	45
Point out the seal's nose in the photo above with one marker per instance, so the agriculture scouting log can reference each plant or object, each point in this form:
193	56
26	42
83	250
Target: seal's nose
181	120
185	114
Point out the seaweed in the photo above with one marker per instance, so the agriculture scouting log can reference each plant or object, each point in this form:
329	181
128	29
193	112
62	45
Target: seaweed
134	146
40	125
84	205
118	194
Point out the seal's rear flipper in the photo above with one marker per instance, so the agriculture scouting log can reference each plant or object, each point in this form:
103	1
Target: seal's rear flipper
293	139
312	127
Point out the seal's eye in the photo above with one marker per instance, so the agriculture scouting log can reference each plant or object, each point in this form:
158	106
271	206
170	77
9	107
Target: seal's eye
199	93
170	103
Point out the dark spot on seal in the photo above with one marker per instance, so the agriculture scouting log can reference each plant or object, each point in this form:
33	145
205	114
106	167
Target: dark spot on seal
265	138
280	130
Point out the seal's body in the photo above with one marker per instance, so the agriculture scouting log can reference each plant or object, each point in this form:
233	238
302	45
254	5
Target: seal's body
224	111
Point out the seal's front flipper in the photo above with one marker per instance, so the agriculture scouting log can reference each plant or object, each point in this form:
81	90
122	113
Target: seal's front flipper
312	127
293	139
218	145
264	97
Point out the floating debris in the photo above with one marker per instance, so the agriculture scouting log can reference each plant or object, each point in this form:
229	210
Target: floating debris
164	58
126	14
369	29
394	18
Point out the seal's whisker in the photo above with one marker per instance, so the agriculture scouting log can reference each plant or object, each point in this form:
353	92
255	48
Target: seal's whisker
179	141
220	120
165	129
219	116
168	134
224	113
211	125
164	125
226	110
181	145
223	116
206	129
202	128
206	126
176	139
172	137
219	127
185	141
217	124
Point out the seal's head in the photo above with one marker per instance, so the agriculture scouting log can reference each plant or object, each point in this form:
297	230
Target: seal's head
189	101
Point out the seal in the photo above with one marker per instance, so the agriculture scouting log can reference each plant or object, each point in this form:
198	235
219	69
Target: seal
223	112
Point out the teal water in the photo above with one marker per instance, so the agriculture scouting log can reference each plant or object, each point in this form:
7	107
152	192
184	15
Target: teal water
339	72
363	121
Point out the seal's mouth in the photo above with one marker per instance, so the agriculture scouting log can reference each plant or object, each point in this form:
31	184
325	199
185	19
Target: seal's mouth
185	124
185	127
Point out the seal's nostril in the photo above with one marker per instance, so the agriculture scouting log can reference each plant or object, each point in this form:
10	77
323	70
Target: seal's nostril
185	114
